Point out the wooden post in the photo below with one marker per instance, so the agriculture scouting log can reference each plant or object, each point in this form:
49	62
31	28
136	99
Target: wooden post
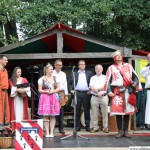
129	126
134	121
32	97
59	42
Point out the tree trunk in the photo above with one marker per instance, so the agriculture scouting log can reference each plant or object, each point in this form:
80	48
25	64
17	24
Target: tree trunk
10	30
1	28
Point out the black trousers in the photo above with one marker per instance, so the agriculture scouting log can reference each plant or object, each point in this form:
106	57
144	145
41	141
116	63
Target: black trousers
122	122
61	119
83	99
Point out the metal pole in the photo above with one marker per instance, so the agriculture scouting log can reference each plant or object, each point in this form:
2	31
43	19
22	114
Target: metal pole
32	97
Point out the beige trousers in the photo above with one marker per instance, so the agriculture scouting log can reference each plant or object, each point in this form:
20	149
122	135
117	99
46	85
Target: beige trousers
103	103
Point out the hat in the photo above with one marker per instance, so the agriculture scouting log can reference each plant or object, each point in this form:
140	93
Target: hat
118	52
148	54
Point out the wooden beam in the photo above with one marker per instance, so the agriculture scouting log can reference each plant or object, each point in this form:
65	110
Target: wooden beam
59	42
133	57
30	40
58	55
130	61
125	51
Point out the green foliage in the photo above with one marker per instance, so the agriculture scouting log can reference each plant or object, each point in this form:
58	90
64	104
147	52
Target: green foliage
9	9
121	22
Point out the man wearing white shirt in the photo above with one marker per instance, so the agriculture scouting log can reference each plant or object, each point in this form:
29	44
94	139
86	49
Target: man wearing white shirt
145	72
99	98
64	92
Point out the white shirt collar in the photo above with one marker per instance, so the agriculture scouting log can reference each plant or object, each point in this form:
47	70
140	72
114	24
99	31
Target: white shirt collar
60	72
99	75
79	71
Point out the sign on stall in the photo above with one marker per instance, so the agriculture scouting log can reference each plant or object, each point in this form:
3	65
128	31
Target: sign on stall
29	135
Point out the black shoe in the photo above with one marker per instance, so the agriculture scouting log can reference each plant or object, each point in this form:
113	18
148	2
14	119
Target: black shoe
88	129
78	129
126	134
147	126
61	131
119	135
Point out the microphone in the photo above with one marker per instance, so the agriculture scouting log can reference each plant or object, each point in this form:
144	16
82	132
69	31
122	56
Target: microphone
73	68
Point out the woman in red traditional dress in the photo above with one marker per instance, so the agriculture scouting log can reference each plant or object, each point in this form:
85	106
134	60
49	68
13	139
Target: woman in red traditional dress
18	97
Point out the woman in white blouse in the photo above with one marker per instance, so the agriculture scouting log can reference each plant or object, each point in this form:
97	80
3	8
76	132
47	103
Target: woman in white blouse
49	106
18	98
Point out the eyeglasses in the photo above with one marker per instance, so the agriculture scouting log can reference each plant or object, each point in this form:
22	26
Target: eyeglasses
59	65
81	64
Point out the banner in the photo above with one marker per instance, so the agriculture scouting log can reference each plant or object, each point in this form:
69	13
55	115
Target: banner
29	135
139	64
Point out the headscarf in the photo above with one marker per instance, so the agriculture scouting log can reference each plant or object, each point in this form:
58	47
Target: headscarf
114	55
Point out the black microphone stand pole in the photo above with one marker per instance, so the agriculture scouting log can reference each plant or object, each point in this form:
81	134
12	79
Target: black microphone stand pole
75	104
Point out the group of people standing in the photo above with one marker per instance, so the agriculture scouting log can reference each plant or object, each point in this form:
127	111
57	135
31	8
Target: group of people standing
120	85
15	105
54	95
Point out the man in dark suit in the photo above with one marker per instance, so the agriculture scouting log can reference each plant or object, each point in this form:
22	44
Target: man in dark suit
82	80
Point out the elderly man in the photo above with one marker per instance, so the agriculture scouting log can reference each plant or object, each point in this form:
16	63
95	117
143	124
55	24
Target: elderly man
145	72
4	105
121	85
99	98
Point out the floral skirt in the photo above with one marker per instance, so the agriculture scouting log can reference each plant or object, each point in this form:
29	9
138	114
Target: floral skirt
48	105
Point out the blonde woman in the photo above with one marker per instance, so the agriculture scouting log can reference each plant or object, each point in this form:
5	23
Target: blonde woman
48	104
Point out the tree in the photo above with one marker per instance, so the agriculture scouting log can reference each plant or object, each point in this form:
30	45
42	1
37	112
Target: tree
47	13
121	22
8	11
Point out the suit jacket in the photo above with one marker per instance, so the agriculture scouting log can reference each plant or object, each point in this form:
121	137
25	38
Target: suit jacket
76	74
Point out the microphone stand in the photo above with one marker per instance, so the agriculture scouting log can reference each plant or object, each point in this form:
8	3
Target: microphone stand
34	90
35	93
75	104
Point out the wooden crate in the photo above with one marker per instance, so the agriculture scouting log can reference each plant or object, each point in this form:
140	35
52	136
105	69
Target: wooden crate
112	123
